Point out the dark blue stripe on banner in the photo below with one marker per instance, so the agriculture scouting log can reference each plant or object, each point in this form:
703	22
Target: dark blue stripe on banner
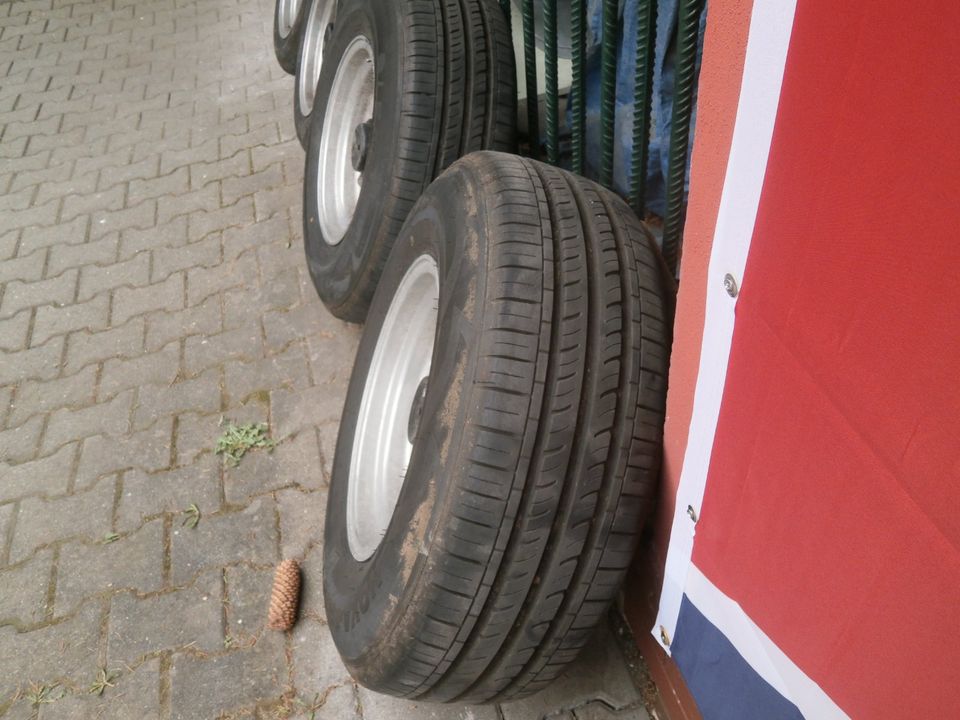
723	684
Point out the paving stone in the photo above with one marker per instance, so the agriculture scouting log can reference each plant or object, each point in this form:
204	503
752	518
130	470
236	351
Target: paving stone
85	347
316	663
64	653
256	673
203	253
35	397
146	495
70	233
160	368
168	621
204	351
174	183
148	450
167	295
14	331
48	475
26	268
301	521
42	363
135	240
52	320
24	599
136	694
244	305
311	318
295	410
142	216
249	535
98	252
111	418
95	279
331	357
201	223
204	282
206	199
196	435
19	295
19	444
199	394
204	319
376	706
248	597
133	562
338	703
41	521
285	370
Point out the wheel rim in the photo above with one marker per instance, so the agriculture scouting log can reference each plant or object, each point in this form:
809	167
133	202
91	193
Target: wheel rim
382	442
287	15
349	105
321	15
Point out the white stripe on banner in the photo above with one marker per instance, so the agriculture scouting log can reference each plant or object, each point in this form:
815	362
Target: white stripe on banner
760	652
770	25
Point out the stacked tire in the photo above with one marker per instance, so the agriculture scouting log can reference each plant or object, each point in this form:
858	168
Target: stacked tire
472	563
500	440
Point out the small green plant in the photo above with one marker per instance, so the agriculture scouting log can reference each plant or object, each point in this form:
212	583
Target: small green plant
193	516
43	694
104	680
237	440
110	538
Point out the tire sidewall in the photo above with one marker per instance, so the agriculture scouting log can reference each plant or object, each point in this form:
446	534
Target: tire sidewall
370	604
334	267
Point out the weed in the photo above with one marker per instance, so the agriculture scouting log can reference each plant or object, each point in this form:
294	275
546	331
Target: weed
104	680
237	440
193	516
109	538
43	694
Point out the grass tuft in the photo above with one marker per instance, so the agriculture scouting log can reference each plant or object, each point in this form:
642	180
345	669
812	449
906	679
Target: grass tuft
237	440
104	680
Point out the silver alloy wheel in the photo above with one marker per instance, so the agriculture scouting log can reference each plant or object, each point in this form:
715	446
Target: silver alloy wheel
288	15
393	393
349	105
321	15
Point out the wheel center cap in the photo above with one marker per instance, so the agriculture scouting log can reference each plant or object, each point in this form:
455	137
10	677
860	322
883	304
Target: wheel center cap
416	410
361	145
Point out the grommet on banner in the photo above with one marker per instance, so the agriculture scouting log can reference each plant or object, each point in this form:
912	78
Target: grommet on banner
663	635
730	285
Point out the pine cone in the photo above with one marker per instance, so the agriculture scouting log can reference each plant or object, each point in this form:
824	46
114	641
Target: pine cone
285	596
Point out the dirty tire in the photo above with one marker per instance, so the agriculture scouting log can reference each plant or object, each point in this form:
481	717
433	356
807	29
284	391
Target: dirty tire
538	448
286	32
445	87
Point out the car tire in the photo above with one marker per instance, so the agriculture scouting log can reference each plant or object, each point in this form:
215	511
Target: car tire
318	19
444	86
492	546
288	16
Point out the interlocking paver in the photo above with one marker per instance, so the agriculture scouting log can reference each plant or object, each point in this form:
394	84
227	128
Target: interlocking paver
52	320
133	562
249	535
41	521
147	450
257	673
174	619
111	418
58	290
24	598
49	475
152	283
146	495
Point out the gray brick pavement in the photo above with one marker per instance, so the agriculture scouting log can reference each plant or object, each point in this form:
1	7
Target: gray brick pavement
152	283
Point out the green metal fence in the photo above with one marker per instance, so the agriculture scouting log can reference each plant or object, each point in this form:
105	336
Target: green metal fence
686	40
